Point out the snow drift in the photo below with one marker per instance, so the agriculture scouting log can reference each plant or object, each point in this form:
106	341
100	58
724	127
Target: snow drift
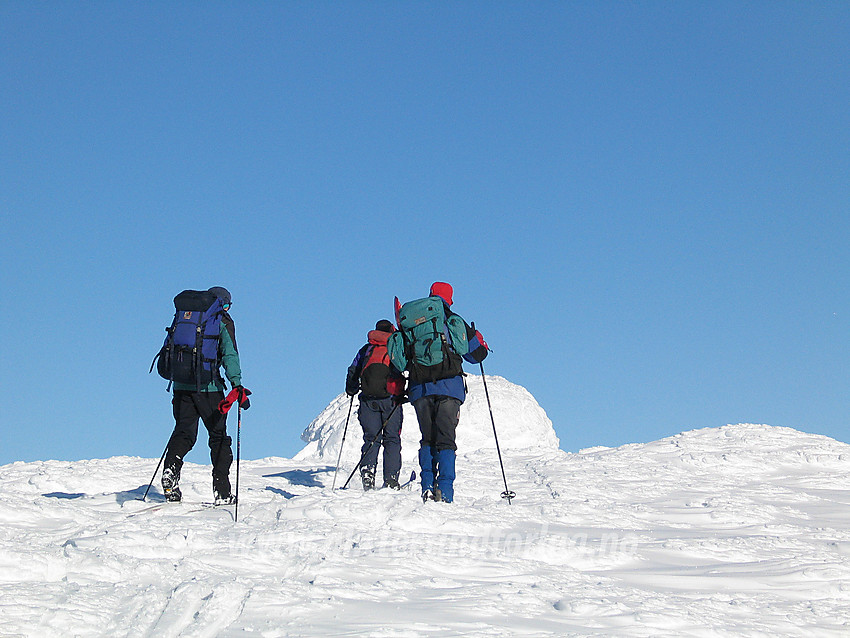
742	530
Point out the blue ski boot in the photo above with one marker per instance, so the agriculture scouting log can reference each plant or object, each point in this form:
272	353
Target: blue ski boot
427	464
446	475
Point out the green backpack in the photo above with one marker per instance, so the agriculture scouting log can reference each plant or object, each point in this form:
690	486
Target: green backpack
430	342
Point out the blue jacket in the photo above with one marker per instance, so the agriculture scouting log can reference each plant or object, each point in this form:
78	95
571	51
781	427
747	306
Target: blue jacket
454	387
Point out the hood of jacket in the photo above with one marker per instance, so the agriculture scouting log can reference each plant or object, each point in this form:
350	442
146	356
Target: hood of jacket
378	338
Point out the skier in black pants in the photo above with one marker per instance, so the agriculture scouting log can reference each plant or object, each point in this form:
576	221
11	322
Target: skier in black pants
190	405
380	402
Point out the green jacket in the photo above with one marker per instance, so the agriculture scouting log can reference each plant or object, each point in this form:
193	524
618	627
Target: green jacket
229	357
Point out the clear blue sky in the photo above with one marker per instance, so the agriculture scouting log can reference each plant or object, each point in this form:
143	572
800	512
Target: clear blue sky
643	206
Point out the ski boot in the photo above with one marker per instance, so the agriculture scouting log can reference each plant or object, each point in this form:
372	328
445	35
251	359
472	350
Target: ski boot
392	483
445	475
170	486
221	490
224	499
367	475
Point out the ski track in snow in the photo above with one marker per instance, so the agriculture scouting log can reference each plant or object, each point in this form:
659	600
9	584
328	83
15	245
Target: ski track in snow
736	531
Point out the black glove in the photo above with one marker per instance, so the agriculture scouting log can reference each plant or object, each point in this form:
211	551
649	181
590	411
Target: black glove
352	382
242	397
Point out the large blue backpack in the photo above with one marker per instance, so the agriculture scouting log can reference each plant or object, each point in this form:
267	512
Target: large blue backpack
430	341
190	352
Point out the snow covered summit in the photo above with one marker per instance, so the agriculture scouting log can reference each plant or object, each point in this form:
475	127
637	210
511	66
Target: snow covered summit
520	424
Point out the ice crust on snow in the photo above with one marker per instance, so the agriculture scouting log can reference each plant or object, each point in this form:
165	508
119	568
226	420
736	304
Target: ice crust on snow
742	530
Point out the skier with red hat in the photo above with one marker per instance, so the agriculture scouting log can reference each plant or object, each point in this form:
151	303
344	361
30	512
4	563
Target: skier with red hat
431	343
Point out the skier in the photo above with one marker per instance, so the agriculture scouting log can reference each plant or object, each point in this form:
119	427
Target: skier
194	401
430	343
380	404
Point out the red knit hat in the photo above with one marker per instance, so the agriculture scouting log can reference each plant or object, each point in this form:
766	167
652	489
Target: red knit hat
444	290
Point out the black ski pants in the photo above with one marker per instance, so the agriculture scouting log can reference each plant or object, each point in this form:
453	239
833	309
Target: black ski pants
189	407
438	417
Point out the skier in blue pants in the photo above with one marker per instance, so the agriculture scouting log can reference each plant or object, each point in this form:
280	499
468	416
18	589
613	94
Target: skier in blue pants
438	417
437	397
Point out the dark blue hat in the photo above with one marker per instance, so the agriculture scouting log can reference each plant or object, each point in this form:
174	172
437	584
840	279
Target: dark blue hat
385	325
221	293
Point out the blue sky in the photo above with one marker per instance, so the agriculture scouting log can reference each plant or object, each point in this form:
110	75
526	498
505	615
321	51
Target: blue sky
643	206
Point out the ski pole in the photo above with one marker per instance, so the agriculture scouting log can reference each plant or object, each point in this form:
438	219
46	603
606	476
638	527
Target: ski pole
238	454
344	431
377	438
161	459
508	494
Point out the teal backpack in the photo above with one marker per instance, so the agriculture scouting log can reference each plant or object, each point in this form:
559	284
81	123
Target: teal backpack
430	342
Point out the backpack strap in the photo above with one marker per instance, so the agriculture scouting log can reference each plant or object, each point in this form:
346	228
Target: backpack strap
169	340
215	363
201	335
170	350
446	333
367	351
410	353
362	357
445	338
198	359
407	347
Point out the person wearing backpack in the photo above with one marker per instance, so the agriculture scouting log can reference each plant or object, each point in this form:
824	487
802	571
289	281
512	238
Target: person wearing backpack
381	388
431	343
201	339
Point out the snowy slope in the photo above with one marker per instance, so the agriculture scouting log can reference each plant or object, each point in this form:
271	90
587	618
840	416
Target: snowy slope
735	531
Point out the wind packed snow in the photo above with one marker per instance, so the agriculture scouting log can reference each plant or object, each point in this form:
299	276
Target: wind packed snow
742	530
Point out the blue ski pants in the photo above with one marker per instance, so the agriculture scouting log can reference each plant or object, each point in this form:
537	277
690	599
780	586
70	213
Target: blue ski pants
438	417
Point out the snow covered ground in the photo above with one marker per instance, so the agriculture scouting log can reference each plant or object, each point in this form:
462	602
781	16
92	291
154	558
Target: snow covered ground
736	531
